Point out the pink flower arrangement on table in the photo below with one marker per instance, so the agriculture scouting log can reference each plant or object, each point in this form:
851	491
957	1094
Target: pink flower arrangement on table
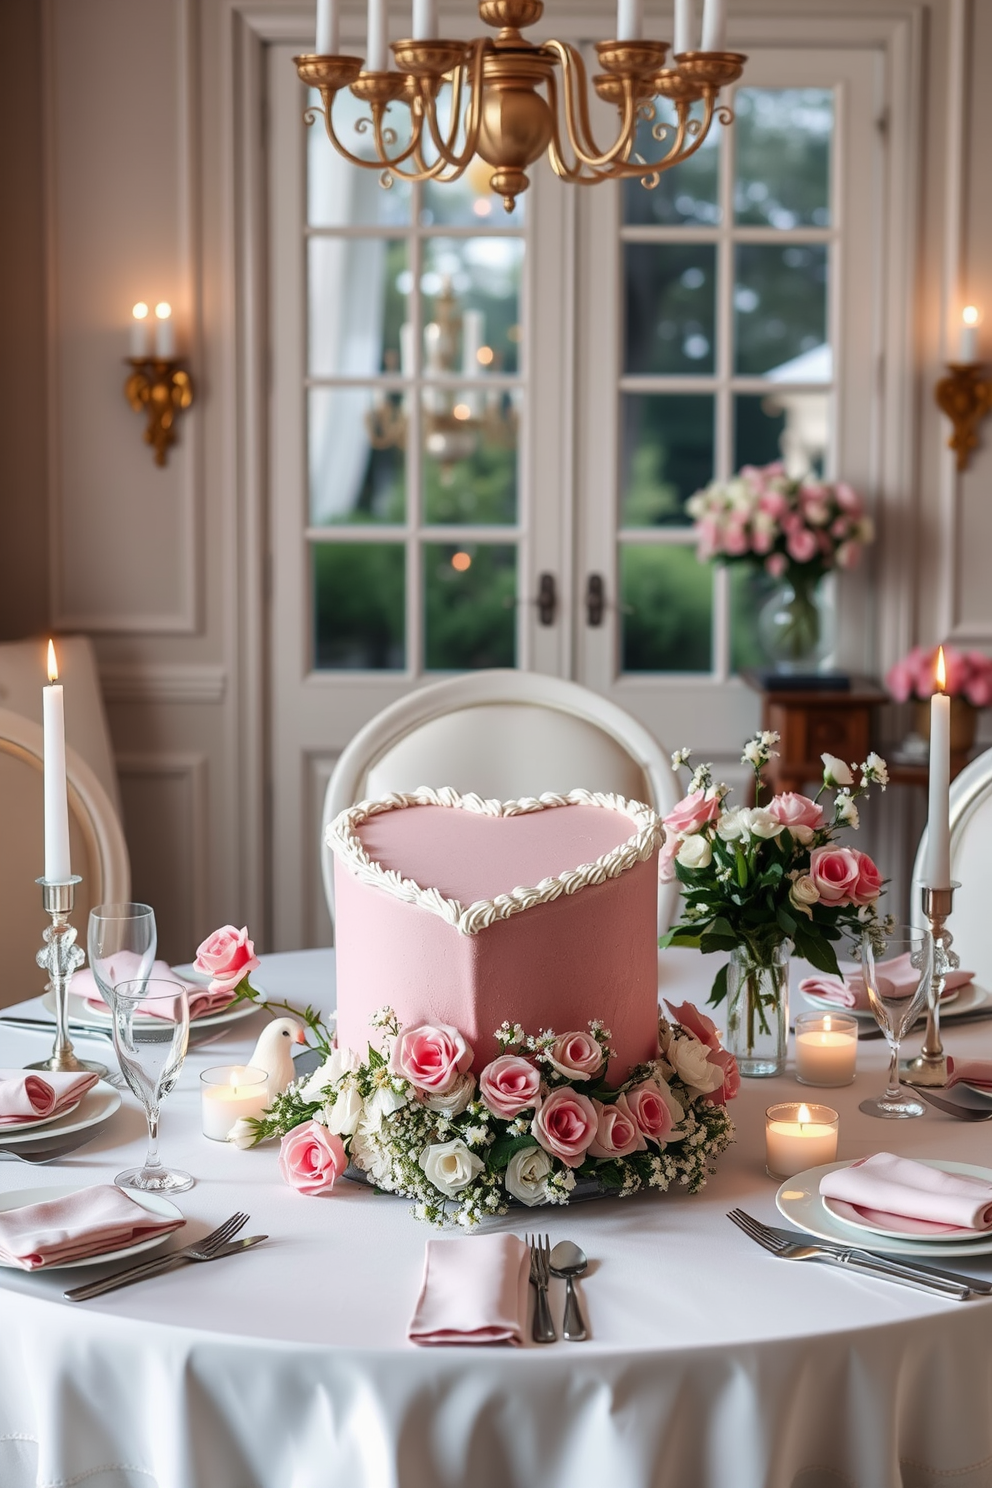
969	675
763	517
539	1119
757	877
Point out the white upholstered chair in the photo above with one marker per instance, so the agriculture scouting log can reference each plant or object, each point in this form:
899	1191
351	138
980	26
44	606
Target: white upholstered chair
502	734
99	852
971	866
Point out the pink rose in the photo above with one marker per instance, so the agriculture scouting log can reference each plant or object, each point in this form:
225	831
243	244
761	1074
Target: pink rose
510	1085
576	1055
835	872
869	884
901	679
775	565
666	858
696	1023
226	957
735	540
565	1125
731	1078
774	503
848	499
311	1158
431	1057
798	813
692	812
650	1111
801	545
848	555
617	1132
979	691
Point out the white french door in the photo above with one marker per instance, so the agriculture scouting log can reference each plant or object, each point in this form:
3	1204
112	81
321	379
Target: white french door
468	410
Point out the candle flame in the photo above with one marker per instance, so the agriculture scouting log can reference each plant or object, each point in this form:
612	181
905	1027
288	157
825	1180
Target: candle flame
53	666
140	311
827	1025
970	315
805	1115
941	671
163	310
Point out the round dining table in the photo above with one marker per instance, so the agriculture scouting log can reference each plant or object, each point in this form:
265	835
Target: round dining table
711	1363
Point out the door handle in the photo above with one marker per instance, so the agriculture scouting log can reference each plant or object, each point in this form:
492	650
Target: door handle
547	599
595	599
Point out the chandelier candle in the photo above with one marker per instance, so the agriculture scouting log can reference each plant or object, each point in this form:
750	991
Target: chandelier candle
938	868
683	39
826	1048
425	20
798	1137
328	28
714	26
57	865
376	58
630	20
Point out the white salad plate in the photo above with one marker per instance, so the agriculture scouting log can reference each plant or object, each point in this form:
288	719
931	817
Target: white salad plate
25	1126
81	1012
800	1203
97	1105
967	999
153	1203
895	1226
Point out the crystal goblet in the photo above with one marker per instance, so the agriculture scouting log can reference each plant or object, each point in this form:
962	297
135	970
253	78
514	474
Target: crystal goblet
910	952
151	1034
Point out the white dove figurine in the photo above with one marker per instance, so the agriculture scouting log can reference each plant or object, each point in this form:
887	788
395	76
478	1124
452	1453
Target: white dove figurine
274	1053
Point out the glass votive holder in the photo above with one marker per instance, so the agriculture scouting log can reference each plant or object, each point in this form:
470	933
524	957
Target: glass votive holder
228	1092
797	1137
826	1048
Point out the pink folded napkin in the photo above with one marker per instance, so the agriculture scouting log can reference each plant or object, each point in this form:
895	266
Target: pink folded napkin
124	968
28	1096
897	1185
85	1223
897	978
977	1072
474	1291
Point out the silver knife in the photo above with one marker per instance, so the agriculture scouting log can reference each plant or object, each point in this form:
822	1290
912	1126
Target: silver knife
159	1268
800	1237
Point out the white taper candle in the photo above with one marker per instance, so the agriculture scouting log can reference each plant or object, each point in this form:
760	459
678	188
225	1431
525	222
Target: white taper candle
57	865
968	339
684	39
139	330
714	26
165	336
376	53
938	866
630	20
328	42
424	20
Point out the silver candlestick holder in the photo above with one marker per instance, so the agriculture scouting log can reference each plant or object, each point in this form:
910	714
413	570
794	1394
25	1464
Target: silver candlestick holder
61	957
929	1068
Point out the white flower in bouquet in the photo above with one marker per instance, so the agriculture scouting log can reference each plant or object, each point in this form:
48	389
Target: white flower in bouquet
835	771
875	771
452	1102
845	811
680	758
695	852
689	1058
734	824
526	1175
242	1134
386	1100
763	824
803	894
343	1117
450	1166
340	1063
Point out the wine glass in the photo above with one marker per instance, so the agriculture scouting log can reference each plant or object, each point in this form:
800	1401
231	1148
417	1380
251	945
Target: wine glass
151	1032
121	941
913	949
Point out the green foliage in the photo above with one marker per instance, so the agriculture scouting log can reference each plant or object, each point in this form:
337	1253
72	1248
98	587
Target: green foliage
668	610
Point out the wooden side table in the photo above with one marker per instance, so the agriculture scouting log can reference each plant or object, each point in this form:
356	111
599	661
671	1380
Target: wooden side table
812	723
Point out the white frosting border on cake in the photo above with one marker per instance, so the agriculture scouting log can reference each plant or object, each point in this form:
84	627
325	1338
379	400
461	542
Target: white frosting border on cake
343	838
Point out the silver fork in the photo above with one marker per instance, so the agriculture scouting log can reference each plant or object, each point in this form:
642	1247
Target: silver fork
543	1329
201	1250
850	1259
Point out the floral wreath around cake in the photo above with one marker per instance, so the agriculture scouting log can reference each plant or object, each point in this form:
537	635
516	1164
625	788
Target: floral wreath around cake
414	1119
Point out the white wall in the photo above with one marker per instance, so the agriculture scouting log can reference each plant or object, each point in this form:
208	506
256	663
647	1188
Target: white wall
148	181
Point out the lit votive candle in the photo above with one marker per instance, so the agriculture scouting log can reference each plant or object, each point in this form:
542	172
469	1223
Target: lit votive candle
798	1137
826	1048
227	1093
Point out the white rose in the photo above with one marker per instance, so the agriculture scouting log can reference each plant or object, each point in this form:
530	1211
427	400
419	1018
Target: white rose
688	1058
242	1134
344	1115
527	1175
803	893
450	1166
734	824
695	852
339	1063
835	772
452	1102
385	1101
845	811
763	824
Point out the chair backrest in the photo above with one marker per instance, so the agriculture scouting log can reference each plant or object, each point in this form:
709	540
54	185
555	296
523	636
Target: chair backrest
971	867
502	734
99	852
22	676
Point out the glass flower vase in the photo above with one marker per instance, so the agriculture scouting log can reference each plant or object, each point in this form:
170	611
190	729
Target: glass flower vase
796	624
758	1010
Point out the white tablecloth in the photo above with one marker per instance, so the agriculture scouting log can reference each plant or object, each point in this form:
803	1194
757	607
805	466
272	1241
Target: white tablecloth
712	1365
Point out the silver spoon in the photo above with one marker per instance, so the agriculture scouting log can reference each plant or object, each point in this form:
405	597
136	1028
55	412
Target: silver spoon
568	1261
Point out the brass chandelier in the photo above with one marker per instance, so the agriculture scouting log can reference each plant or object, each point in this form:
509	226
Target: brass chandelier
508	104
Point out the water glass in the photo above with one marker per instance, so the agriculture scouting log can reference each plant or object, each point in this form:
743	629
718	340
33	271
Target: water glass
122	940
151	1033
907	953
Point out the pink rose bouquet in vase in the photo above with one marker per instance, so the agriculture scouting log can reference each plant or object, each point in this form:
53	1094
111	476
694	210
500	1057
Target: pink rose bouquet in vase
763	881
795	531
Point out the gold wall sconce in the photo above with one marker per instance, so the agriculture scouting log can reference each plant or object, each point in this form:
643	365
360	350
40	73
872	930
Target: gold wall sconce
158	384
965	395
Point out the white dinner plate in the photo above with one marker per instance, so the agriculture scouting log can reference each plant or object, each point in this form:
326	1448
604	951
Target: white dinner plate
154	1203
965	1000
799	1202
82	1013
97	1105
26	1126
895	1226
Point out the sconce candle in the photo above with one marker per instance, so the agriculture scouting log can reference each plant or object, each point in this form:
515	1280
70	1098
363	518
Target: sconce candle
968	342
165	336
140	338
938	864
227	1093
57	865
799	1137
826	1048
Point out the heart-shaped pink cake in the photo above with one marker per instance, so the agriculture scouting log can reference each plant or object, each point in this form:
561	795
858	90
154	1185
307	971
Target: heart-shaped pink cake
456	910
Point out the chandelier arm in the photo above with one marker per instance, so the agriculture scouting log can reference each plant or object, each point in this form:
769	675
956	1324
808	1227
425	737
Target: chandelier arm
310	114
459	162
677	153
574	175
580	129
381	145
